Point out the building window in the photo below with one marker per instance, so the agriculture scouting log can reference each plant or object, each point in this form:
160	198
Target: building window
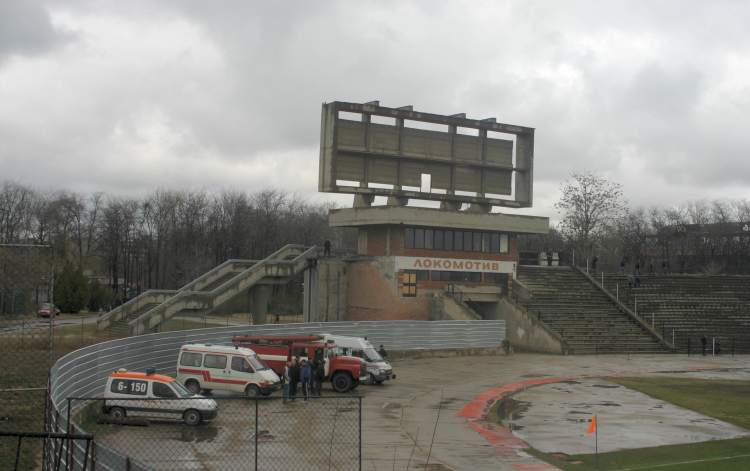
423	275
448	240
418	238
503	243
494	242
408	280
467	241
440	239
477	237
409	238
459	241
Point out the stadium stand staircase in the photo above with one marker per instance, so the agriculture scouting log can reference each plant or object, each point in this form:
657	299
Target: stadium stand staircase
582	314
147	311
690	306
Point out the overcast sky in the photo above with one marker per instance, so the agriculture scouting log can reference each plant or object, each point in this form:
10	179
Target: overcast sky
124	97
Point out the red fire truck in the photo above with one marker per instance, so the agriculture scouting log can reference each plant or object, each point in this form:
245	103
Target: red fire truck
344	372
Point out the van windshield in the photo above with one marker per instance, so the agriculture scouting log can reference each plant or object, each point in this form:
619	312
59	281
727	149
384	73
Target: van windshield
181	390
256	363
372	355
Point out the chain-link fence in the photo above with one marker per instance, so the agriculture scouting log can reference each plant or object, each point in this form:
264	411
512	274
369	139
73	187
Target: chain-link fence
321	433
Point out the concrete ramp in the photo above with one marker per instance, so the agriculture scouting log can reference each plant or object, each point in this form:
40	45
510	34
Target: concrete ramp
210	291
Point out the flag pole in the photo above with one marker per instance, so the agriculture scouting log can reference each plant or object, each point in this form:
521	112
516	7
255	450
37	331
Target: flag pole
596	446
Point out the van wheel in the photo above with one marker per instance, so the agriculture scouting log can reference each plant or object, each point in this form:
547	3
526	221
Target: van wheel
117	414
252	391
193	386
192	417
341	382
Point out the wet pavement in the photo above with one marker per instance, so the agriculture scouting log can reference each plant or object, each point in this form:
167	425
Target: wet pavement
554	418
413	422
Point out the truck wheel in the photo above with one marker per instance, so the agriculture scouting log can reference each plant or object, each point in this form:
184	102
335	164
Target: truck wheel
193	386
191	417
341	382
252	391
117	414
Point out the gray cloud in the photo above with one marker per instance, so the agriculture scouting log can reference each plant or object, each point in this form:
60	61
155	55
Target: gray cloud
206	94
25	29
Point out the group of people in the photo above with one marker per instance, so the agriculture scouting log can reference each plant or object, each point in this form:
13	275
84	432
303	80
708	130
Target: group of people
305	374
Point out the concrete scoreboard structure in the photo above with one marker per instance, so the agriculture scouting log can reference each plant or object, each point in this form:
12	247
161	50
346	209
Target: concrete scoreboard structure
464	160
455	261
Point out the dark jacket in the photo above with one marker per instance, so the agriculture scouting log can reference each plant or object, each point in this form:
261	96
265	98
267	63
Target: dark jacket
294	373
306	372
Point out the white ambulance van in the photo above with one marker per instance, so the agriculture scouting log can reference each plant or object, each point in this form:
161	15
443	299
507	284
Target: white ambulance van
378	368
150	395
203	367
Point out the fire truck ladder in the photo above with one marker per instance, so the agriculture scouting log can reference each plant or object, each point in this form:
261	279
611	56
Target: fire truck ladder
209	291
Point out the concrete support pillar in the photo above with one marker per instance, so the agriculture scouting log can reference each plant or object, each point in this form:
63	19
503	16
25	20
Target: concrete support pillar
311	294
397	201
479	208
450	205
260	296
363	201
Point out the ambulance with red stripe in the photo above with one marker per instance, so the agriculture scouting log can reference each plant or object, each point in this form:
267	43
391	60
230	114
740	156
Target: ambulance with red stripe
204	367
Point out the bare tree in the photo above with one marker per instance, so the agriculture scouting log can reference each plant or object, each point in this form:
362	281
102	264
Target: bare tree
590	205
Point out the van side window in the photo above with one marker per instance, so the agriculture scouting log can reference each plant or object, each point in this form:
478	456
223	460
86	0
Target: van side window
129	386
240	364
162	390
215	361
300	352
190	359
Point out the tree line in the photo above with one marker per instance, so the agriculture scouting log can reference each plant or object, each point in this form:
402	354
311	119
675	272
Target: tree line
695	237
162	240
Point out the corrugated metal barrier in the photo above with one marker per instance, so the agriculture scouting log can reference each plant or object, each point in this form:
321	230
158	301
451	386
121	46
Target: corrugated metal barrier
84	372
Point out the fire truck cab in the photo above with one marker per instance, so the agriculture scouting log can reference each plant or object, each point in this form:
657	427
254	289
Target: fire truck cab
344	372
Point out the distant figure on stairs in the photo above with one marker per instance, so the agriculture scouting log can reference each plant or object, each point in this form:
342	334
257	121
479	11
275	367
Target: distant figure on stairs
593	263
327	248
703	345
622	267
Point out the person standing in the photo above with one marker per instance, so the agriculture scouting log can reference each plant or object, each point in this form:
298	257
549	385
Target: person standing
327	248
320	375
306	377
382	351
294	374
286	379
593	264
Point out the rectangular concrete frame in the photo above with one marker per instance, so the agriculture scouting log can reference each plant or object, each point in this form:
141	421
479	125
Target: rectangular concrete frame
367	152
428	217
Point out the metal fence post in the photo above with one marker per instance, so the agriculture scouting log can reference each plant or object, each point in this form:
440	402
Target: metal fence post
68	448
256	433
360	433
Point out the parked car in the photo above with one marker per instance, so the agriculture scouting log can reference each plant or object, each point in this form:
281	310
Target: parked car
206	367
48	310
150	395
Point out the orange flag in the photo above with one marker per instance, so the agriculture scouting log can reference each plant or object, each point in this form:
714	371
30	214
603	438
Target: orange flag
592	425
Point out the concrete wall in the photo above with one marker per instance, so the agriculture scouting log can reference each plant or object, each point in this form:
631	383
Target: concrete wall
454	310
525	333
372	293
332	288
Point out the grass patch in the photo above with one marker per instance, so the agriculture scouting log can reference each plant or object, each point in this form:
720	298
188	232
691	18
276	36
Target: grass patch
726	400
719	455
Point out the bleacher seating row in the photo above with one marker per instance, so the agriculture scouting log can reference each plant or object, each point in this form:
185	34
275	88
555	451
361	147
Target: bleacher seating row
582	314
690	307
